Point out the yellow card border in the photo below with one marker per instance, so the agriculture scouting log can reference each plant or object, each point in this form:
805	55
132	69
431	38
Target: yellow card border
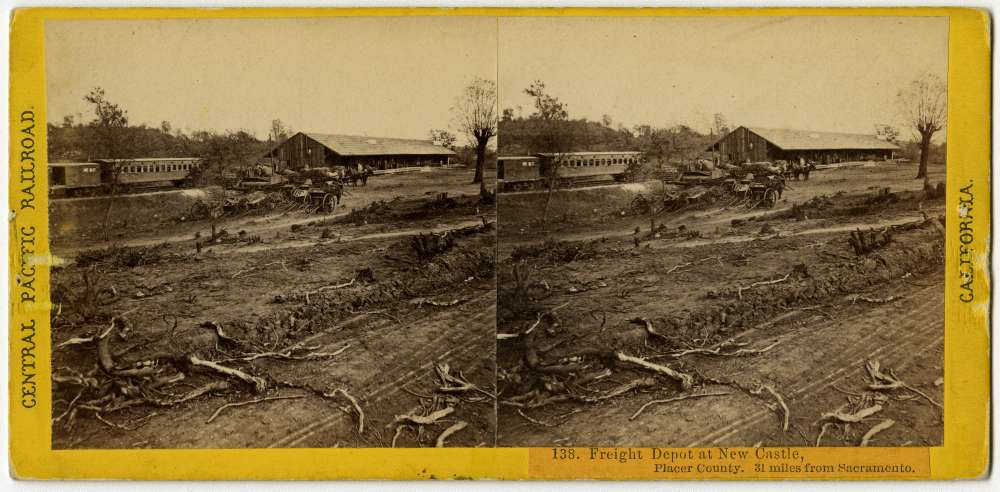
965	453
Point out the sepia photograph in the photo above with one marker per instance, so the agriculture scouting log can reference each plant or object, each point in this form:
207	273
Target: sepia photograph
721	231
272	233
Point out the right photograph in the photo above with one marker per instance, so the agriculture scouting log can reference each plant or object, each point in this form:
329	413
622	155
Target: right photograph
721	231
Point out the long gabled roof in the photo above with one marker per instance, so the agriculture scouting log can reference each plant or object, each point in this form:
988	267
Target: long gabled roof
358	145
809	140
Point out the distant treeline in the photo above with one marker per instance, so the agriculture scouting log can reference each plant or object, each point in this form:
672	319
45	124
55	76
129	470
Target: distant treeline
676	144
224	153
72	141
529	135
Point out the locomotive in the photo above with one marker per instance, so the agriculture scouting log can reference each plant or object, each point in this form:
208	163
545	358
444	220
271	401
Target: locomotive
573	168
71	179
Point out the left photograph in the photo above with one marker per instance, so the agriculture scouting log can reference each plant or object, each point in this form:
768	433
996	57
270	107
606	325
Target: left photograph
272	232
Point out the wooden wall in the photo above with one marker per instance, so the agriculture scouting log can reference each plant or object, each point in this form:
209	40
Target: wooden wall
299	152
742	144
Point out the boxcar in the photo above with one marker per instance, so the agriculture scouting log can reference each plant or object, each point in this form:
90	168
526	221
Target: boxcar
74	178
518	172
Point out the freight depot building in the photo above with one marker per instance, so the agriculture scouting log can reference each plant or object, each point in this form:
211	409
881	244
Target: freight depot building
754	144
309	150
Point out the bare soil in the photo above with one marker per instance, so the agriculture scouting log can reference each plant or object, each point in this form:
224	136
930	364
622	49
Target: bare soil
351	307
775	300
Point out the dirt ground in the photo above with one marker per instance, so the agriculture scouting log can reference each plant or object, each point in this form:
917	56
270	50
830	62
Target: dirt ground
757	316
321	309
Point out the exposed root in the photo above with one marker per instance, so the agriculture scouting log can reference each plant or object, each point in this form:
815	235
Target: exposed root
879	427
646	382
250	402
668	400
874	300
258	384
395	435
785	413
424	419
420	301
328	287
720	350
354	402
853	417
685	379
289	354
455	384
888	381
449	431
739	290
822	432
685	265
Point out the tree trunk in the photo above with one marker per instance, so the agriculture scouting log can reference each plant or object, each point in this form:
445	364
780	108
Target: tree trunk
480	162
545	209
925	150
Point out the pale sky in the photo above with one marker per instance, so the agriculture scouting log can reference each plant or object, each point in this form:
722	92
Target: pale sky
810	73
388	77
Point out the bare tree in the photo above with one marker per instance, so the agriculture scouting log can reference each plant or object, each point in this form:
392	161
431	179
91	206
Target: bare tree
719	125
923	107
475	113
279	132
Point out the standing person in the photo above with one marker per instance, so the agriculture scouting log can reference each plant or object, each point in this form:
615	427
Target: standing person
337	191
364	175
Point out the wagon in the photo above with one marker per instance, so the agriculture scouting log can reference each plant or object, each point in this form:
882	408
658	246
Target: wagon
762	191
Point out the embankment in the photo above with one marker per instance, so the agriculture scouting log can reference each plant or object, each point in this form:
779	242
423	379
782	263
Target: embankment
75	216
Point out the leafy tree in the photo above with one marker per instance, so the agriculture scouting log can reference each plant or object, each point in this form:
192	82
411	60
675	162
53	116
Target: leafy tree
443	138
547	107
110	128
886	132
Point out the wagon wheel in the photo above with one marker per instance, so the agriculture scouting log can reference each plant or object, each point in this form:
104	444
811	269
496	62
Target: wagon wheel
770	198
639	205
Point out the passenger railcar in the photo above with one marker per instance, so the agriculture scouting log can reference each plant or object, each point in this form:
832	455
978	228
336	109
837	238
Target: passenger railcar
98	176
574	168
